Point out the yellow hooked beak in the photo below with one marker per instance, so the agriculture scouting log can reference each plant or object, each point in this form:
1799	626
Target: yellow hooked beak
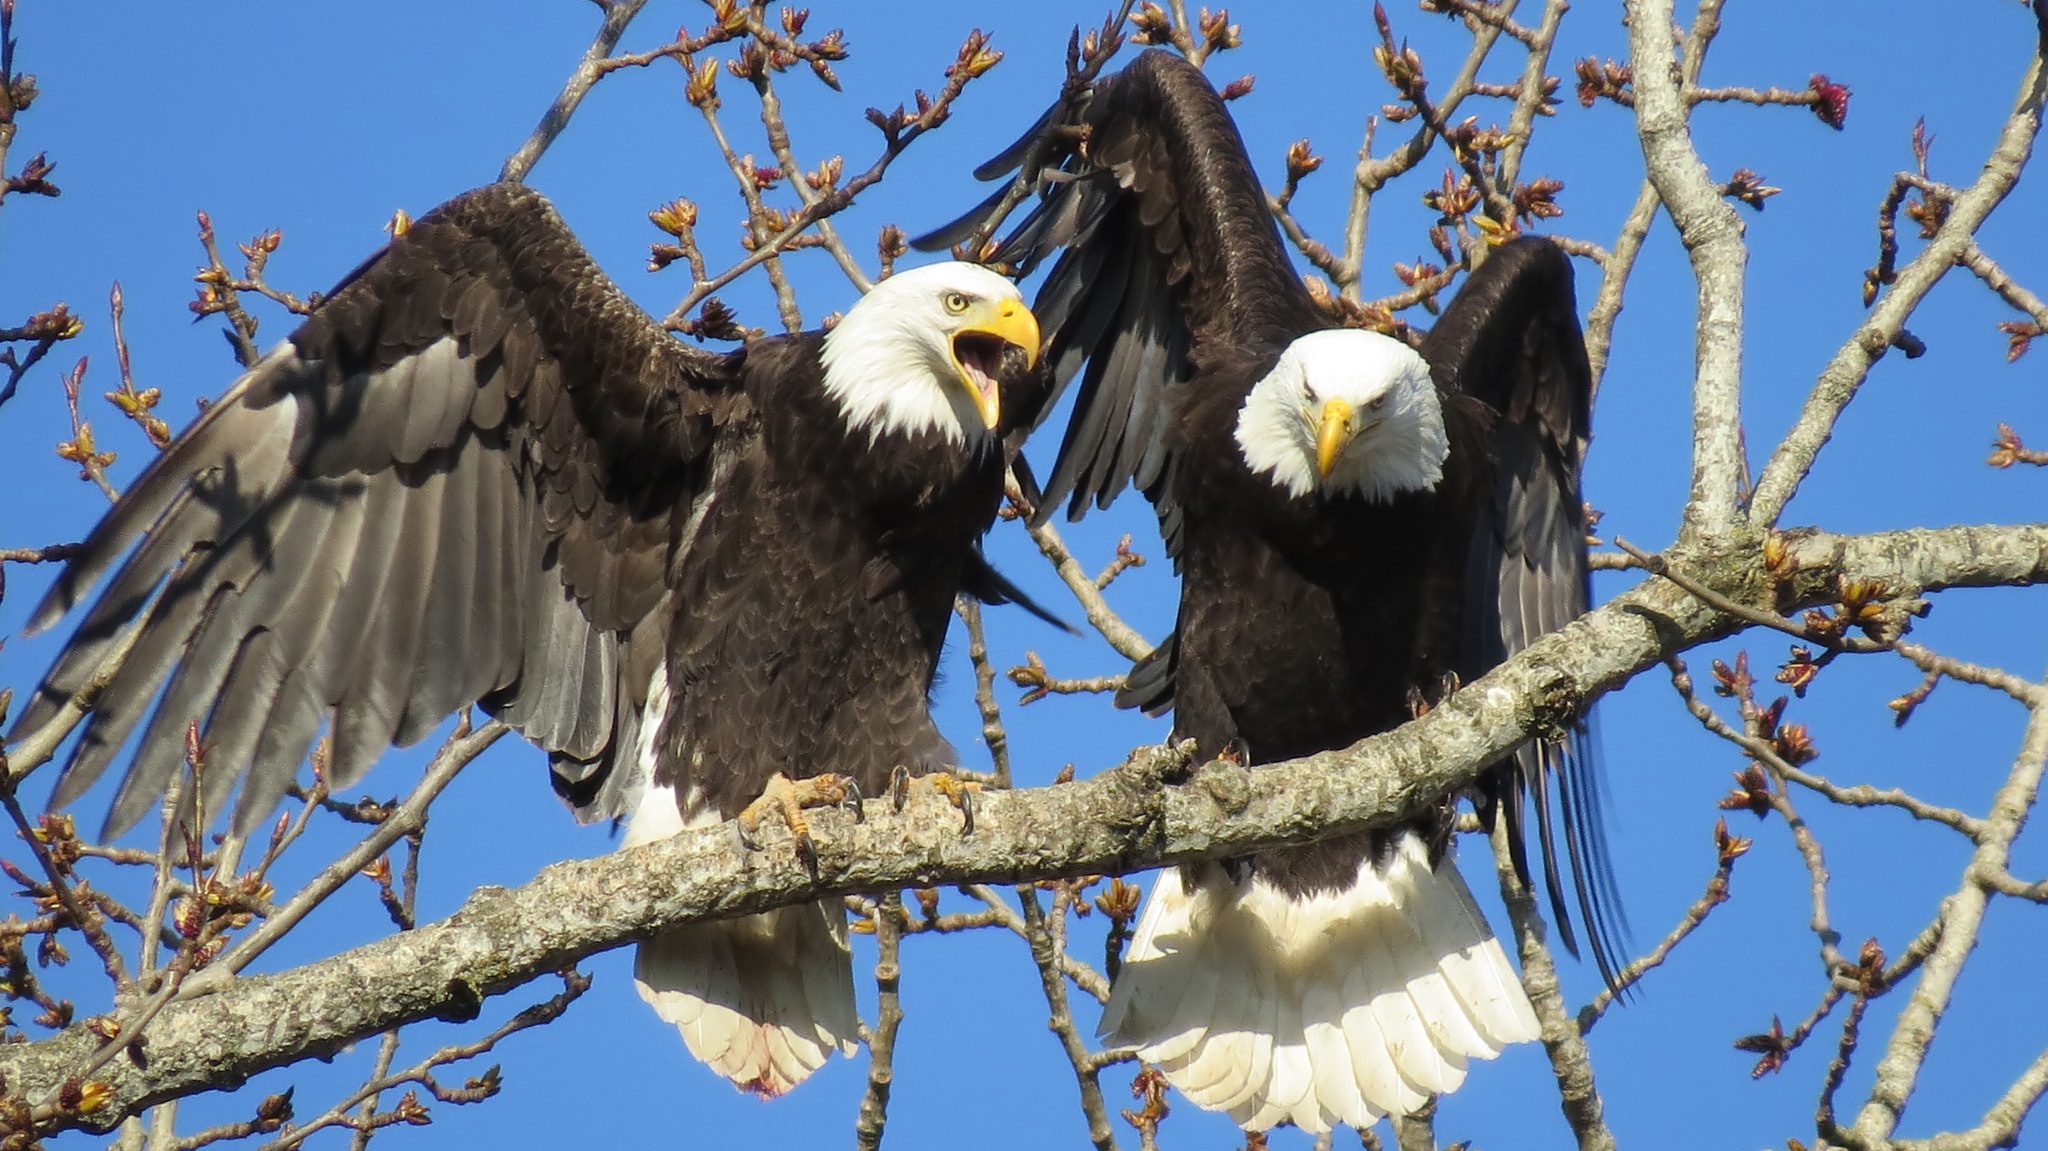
1336	427
1007	321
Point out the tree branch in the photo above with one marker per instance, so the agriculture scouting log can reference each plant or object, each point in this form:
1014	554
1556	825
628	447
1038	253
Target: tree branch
1150	811
1844	375
617	14
1713	238
1962	916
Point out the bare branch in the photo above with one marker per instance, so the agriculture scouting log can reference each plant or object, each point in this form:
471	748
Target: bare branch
1123	818
1713	239
1563	1040
1047	946
1373	174
1101	616
1762	750
874	1103
575	983
1962	917
1038	683
2008	289
617	14
1845	373
1728	848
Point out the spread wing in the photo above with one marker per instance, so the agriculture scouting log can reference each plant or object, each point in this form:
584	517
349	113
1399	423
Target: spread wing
1162	232
462	479
1511	338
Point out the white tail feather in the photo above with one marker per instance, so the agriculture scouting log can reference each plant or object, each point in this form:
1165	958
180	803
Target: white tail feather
1340	1007
764	1000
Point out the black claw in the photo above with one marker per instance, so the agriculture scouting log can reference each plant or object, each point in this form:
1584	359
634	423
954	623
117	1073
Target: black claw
854	799
807	852
899	788
747	842
1419	703
967	811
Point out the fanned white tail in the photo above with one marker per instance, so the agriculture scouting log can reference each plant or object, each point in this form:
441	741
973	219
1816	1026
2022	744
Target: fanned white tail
1339	1007
764	1000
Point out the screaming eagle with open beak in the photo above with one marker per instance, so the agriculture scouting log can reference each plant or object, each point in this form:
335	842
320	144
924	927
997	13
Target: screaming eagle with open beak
478	474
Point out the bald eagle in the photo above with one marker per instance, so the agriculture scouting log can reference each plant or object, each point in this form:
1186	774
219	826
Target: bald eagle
1356	526
479	474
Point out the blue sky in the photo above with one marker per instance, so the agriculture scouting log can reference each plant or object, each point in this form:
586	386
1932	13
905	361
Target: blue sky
322	119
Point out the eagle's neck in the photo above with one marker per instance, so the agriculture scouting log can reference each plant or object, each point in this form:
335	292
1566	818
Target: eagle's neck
1402	450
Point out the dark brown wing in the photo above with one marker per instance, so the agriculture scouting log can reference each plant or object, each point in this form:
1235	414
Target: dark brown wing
1163	233
462	479
1511	339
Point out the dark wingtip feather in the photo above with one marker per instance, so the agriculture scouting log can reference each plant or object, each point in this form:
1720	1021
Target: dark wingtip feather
578	782
1027	484
980	579
1599	896
959	229
1553	873
1148	686
1008	160
1595	898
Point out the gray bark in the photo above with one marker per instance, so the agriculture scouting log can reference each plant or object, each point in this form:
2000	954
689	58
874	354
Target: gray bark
1153	809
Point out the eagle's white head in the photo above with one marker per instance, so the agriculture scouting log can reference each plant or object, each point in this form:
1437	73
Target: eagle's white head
1345	412
921	350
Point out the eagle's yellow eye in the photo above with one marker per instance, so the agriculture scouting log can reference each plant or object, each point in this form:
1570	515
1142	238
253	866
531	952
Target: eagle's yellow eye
956	302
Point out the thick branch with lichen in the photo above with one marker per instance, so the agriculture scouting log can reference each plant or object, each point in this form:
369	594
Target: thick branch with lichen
1713	239
1154	809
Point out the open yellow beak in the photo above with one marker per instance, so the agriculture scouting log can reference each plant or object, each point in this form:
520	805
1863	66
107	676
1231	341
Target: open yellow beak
1011	322
1334	428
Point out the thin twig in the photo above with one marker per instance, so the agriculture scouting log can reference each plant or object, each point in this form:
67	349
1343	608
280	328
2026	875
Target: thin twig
1766	753
462	747
1962	920
1532	92
1046	952
1727	850
900	129
993	733
2023	690
778	142
574	984
1038	683
2008	289
1373	174
87	920
1089	980
1101	616
1657	565
366	1111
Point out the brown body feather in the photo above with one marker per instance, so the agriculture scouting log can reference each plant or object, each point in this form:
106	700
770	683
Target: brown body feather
820	593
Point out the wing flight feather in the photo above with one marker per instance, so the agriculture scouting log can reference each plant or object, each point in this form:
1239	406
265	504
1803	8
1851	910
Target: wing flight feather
462	479
1162	231
1510	338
